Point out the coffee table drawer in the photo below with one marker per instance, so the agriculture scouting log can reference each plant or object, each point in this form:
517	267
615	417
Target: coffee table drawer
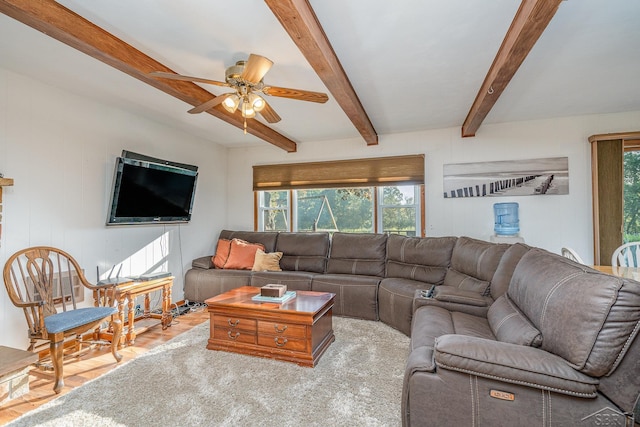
282	329
231	334
282	343
241	323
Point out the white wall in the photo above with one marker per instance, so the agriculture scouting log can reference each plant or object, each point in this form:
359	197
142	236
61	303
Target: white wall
549	222
60	149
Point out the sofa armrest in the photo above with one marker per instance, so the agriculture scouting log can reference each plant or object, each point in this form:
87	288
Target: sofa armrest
420	360
460	296
512	363
203	262
452	304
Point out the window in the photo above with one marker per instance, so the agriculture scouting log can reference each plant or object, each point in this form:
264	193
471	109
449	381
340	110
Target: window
389	209
399	210
609	201
273	210
348	210
631	184
379	195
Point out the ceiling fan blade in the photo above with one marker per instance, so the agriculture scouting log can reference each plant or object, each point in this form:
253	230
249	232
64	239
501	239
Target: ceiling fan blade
255	68
209	104
172	76
270	114
302	95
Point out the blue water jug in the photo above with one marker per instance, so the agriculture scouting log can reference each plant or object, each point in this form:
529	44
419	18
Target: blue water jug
507	222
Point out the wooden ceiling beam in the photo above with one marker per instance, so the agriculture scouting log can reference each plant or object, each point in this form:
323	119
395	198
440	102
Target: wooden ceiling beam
300	21
70	28
531	20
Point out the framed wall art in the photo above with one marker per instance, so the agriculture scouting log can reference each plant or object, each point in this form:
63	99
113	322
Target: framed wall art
532	177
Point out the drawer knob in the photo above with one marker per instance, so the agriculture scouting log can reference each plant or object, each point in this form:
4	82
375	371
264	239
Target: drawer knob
234	336
233	324
279	330
280	341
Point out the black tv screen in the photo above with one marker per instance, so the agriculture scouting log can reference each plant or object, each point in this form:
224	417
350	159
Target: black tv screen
151	192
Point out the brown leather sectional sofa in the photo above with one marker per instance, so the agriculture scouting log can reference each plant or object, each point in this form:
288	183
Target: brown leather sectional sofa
500	334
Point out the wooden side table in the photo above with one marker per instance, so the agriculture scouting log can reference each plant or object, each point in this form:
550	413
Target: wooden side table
127	292
14	372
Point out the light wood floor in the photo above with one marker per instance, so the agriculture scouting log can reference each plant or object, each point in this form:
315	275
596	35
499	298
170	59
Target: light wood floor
95	363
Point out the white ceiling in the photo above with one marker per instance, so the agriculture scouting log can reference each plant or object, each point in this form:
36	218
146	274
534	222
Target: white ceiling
415	65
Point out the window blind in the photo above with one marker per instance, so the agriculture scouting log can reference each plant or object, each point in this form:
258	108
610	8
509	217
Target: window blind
380	171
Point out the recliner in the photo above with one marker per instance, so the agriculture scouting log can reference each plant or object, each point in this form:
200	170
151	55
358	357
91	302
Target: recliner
559	348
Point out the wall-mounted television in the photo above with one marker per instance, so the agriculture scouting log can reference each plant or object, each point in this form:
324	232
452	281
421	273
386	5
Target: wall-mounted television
147	190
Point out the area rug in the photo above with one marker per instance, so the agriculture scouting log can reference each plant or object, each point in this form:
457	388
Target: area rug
357	382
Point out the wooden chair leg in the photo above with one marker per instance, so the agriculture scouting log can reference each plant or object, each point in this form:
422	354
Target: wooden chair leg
56	349
116	323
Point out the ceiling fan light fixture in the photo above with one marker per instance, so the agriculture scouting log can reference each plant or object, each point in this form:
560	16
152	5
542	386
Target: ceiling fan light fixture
247	90
231	103
257	103
247	110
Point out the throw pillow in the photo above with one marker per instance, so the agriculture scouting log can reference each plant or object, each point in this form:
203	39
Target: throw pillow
267	261
222	253
510	325
242	254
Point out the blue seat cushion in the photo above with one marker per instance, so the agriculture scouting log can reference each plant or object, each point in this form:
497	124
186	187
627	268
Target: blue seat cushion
67	320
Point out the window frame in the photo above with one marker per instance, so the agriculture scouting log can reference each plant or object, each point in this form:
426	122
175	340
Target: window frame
403	170
417	205
260	209
378	206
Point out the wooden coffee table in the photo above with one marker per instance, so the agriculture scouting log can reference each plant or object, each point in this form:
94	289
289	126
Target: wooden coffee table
298	330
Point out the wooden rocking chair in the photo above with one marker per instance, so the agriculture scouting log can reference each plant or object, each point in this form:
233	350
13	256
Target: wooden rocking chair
46	283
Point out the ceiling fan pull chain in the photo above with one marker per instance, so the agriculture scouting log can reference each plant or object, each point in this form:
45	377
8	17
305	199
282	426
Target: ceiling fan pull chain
245	125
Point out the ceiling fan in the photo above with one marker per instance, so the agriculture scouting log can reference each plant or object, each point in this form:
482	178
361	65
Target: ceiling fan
246	80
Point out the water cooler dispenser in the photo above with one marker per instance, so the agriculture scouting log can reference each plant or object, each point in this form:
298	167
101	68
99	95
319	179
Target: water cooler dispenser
506	223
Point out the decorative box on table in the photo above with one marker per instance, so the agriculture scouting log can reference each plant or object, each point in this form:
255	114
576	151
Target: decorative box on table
273	290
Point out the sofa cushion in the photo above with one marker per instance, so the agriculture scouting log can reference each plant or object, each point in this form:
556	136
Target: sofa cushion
456	279
303	251
357	253
267	261
242	255
356	295
430	322
295	280
506	267
222	253
395	302
509	325
585	316
200	284
422	259
473	263
266	238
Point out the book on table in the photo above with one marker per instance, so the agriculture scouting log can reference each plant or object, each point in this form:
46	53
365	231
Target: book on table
284	298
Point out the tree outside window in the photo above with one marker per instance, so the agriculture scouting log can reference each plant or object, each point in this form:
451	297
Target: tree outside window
399	210
631	219
273	211
348	210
